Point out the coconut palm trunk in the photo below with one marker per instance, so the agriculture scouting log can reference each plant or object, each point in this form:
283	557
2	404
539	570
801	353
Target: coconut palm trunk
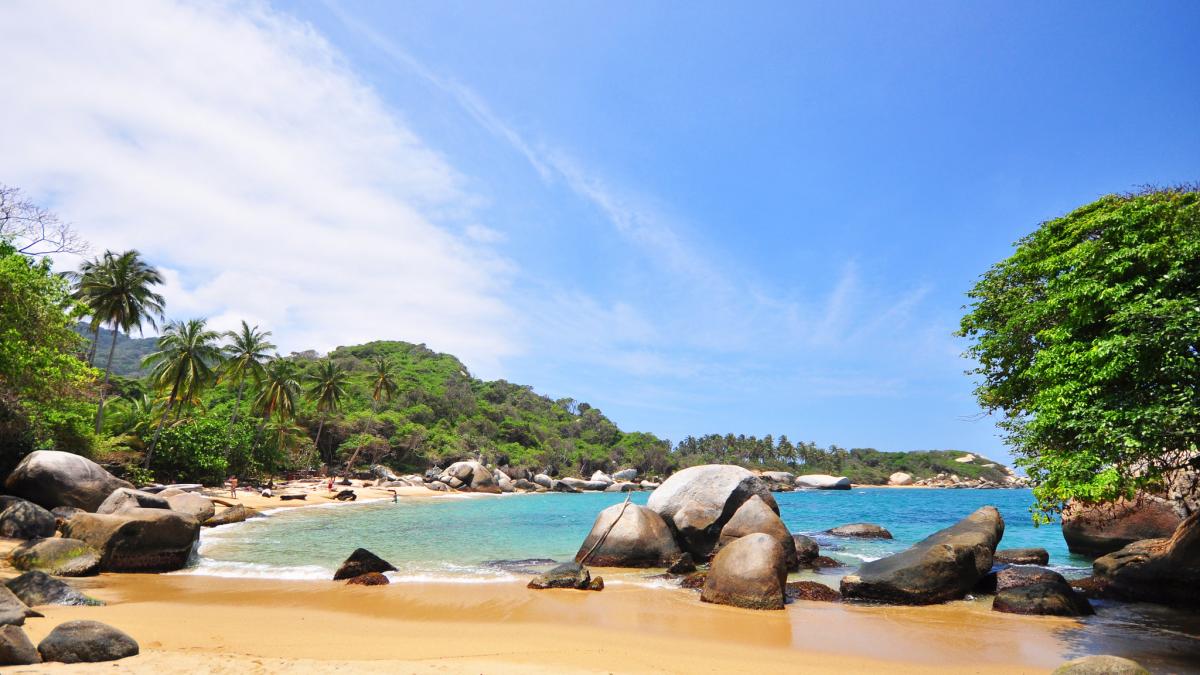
104	387
317	442
161	422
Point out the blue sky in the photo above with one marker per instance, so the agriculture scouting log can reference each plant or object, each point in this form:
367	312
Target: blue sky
699	218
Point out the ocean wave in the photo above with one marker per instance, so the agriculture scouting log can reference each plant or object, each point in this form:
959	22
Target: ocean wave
244	570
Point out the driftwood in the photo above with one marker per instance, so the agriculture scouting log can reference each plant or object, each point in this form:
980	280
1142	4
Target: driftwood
291	497
584	559
222	502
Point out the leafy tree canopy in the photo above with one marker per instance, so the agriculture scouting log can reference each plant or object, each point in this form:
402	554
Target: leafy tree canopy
43	383
1087	340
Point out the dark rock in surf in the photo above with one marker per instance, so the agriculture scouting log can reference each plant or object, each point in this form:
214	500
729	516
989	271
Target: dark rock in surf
361	562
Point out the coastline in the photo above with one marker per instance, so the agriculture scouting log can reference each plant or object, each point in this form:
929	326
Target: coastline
190	624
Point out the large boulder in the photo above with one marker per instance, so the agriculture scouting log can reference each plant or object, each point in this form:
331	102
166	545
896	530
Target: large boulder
621	487
544	480
58	556
503	481
861	531
601	477
470	475
820	481
128	498
751	572
1101	664
941	567
136	540
697	502
51	478
86	642
233	514
16	649
12	611
1022	556
39	588
626	475
1098	529
754	516
900	478
361	562
197	506
21	519
638	538
1036	590
1165	571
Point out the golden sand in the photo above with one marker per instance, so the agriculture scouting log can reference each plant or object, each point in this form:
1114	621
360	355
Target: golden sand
188	623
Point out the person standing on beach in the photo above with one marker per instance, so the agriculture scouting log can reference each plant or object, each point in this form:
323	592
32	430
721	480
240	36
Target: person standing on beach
233	487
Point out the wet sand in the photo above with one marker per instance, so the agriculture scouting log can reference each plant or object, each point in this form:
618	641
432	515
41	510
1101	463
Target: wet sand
188	623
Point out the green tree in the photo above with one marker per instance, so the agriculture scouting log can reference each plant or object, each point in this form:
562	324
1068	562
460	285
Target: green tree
383	385
1088	343
184	364
327	387
279	392
118	291
43	385
245	355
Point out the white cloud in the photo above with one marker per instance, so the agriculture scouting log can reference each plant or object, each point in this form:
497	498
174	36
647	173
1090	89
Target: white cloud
233	146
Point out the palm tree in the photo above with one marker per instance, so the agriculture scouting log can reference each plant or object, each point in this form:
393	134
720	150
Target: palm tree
247	352
116	288
280	388
184	364
384	383
90	269
326	387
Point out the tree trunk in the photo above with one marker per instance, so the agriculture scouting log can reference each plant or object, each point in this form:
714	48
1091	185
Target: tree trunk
158	432
233	418
104	387
91	358
161	422
317	442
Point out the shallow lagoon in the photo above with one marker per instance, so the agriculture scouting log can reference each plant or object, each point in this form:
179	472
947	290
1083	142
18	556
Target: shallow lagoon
461	537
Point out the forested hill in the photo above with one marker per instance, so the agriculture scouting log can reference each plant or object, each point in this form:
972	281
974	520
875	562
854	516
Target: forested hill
439	413
127	359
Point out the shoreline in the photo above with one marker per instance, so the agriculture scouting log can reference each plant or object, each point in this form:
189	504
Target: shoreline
228	625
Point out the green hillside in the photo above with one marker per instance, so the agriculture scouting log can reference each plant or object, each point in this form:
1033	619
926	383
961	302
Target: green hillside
127	359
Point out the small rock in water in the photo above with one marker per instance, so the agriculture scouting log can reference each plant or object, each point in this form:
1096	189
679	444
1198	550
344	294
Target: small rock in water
1022	556
369	579
861	531
597	584
361	562
1101	665
1093	587
812	590
86	642
566	575
824	561
694	580
807	550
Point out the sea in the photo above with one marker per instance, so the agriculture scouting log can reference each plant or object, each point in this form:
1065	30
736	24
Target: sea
473	539
482	538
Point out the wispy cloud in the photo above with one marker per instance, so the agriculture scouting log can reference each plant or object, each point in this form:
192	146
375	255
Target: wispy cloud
235	147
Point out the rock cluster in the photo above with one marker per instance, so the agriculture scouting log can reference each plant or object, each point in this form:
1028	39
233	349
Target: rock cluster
567	575
1036	590
473	476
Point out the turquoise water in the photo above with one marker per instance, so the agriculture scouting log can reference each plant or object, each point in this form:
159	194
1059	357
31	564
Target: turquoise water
477	538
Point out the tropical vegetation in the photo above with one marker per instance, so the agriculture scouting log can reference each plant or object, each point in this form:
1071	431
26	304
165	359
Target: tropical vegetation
1087	340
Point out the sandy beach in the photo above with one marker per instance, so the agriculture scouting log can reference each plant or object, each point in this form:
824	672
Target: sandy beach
190	623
